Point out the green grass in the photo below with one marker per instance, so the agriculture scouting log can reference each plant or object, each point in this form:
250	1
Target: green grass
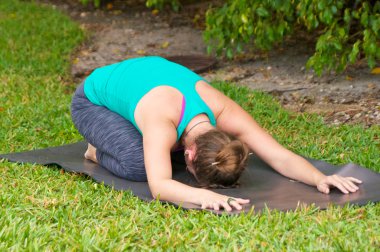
48	209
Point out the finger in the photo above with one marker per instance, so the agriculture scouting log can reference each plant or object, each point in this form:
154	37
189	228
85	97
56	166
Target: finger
327	190
354	180
347	184
242	201
206	205
338	185
324	188
352	184
226	206
215	206
236	205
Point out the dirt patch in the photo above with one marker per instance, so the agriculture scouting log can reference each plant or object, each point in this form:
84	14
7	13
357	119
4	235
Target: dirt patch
123	31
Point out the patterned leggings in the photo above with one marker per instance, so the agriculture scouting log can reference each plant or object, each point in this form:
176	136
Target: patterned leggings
118	144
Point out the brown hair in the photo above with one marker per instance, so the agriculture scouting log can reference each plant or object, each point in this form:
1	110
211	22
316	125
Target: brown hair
219	160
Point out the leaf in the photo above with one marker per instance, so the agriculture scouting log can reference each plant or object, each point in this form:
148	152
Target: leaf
229	53
165	45
354	53
341	32
262	12
364	19
372	48
347	16
371	85
376	70
327	16
371	61
244	18
337	45
321	5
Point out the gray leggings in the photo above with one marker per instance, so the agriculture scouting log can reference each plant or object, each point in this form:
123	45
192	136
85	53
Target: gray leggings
118	144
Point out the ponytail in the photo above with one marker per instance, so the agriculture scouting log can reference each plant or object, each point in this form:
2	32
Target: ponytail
219	160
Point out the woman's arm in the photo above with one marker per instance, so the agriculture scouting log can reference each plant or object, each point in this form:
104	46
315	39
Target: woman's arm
237	121
159	137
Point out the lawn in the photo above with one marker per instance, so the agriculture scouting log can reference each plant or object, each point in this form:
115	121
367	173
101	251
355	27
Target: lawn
48	209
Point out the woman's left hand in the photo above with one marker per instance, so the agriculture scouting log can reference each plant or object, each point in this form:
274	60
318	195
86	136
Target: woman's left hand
345	184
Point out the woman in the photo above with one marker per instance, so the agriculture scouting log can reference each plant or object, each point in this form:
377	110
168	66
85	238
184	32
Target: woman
135	113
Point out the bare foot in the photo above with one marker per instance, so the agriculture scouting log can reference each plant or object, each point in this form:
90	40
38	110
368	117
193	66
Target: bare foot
91	153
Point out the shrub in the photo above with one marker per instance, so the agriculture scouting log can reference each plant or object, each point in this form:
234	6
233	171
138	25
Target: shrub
158	4
346	30
95	2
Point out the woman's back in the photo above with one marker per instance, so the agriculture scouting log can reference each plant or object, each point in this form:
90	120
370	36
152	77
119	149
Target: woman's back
121	86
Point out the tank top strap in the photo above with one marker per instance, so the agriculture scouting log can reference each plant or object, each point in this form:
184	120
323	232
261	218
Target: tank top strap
192	106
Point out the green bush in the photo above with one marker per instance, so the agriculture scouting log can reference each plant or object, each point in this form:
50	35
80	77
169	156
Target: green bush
158	4
95	2
346	30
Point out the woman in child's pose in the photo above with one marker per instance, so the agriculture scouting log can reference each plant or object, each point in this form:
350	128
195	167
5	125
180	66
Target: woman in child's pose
135	113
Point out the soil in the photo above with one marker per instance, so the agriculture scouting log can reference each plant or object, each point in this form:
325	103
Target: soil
120	30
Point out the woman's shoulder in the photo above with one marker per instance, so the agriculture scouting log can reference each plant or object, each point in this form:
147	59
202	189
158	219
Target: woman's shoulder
213	98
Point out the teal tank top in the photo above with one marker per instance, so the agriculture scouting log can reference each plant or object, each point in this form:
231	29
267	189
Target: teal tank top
120	86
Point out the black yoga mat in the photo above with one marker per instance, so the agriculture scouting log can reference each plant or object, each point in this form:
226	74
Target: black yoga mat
259	183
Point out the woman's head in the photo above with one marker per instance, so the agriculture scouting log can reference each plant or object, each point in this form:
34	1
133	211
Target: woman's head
219	159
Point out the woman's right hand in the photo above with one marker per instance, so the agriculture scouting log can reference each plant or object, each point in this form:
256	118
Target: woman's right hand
215	201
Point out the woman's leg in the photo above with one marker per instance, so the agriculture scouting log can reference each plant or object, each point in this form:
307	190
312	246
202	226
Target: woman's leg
118	144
